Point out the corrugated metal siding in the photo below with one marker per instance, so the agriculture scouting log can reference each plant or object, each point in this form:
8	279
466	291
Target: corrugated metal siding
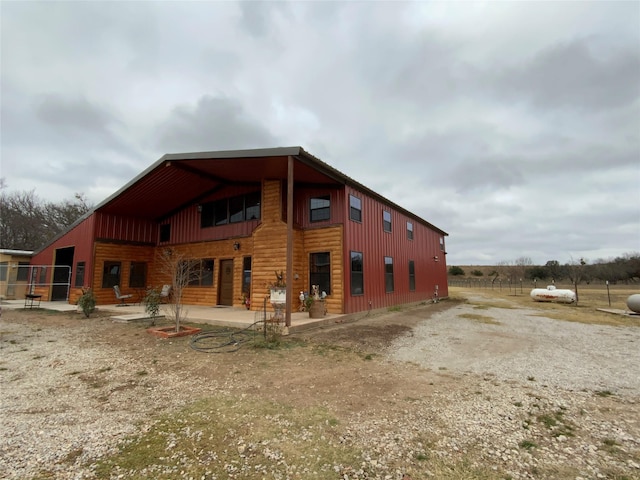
125	229
369	238
81	238
301	210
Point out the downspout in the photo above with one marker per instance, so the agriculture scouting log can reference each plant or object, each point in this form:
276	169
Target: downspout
287	317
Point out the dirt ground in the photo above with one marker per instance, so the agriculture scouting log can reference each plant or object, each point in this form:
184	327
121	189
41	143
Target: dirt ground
50	360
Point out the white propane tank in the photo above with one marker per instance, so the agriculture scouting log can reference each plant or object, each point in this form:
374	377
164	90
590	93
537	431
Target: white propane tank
633	302
552	294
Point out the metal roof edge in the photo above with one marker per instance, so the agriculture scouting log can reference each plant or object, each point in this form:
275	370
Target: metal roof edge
254	152
10	251
338	175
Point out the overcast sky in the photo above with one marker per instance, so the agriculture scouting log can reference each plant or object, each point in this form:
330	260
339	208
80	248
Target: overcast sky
513	126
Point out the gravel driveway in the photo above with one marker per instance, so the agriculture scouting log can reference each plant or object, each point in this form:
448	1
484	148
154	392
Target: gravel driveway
493	388
520	345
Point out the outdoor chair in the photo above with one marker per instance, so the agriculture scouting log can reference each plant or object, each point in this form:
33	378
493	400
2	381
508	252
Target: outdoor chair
165	293
121	297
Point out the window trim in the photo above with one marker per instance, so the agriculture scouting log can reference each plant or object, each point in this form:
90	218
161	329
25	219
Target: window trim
386	221
324	275
217	213
352	209
410	230
325	210
412	276
80	271
196	269
136	281
106	267
389	286
356	274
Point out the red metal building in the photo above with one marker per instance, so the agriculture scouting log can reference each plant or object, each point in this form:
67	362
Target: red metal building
246	214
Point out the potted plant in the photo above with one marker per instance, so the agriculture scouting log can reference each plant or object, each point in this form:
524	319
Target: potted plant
314	303
246	300
278	289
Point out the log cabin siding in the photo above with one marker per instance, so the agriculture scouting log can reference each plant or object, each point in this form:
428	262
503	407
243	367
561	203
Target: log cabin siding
329	239
122	229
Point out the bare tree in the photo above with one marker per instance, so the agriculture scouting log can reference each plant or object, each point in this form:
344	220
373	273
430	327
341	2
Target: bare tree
181	272
27	222
576	273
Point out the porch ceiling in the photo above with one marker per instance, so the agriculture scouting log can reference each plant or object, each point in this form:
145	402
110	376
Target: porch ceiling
176	181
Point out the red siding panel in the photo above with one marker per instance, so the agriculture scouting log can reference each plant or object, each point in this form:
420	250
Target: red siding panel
369	238
81	238
125	229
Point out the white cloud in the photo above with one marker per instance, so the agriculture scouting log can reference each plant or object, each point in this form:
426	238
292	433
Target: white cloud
513	126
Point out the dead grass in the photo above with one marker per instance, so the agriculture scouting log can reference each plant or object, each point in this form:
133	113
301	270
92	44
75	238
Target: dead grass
479	318
592	297
249	438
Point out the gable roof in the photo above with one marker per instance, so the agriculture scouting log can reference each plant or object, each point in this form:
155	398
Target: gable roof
178	180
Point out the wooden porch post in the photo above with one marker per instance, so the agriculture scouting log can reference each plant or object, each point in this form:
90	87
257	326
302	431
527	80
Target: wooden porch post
289	241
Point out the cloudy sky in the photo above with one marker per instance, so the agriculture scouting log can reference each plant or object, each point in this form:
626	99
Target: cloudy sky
513	126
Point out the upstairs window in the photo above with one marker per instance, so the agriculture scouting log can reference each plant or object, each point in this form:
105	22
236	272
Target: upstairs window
252	206
165	232
410	230
320	209
386	221
230	210
355	209
442	244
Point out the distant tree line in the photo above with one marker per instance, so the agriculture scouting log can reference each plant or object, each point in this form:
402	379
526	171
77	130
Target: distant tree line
28	222
623	269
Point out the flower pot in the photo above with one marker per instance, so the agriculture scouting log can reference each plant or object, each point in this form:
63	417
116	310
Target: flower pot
278	295
316	309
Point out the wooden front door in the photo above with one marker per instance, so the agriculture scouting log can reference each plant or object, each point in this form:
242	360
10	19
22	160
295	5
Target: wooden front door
225	293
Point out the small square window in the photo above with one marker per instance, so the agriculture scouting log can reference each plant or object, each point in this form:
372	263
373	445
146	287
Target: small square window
320	209
165	232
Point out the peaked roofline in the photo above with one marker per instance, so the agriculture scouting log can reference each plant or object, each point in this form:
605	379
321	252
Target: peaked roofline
295	151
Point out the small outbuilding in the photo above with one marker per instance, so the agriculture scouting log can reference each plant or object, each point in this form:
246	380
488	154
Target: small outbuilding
14	273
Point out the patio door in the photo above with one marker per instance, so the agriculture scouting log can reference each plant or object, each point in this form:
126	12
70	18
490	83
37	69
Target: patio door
225	285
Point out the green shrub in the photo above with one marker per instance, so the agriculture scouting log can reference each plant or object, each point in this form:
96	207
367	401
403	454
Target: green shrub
87	302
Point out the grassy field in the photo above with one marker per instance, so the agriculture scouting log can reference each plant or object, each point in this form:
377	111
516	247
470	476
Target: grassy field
591	298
